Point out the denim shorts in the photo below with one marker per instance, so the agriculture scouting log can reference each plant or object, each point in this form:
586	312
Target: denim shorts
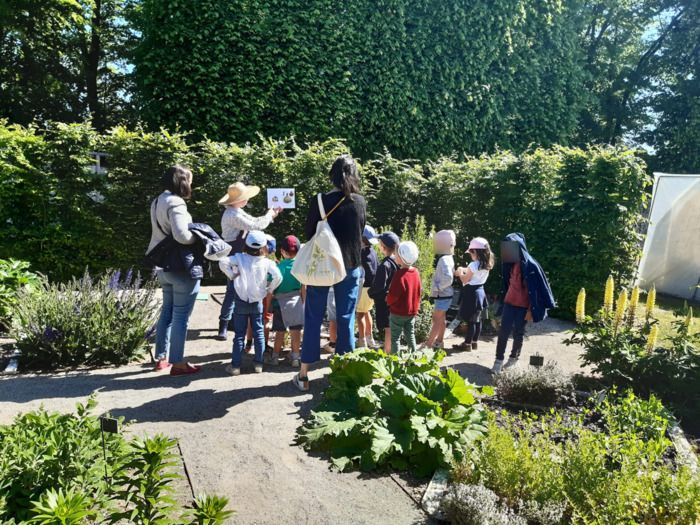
442	304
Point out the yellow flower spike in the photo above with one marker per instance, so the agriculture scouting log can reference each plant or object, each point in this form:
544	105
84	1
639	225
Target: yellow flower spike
609	291
653	336
581	306
651	301
621	307
634	301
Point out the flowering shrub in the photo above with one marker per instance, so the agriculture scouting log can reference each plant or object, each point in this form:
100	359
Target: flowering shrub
85	321
622	345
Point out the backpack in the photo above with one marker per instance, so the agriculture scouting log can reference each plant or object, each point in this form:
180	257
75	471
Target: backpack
320	261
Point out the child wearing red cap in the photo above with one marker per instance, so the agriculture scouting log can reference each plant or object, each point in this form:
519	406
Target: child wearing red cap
288	303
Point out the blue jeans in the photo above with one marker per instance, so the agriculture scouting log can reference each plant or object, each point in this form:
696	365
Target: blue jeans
244	312
513	321
179	294
346	292
228	304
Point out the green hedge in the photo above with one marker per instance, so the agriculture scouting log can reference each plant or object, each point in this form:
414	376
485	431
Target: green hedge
579	209
420	77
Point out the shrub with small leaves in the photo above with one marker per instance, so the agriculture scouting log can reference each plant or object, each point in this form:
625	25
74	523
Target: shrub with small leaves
14	277
477	505
546	385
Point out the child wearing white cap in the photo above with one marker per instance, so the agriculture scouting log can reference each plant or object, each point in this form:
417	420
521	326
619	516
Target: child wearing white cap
441	290
404	296
254	276
473	299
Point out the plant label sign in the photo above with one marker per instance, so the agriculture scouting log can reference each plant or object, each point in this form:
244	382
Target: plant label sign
109	425
281	198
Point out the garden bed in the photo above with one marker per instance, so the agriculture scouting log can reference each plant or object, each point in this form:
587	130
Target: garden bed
525	469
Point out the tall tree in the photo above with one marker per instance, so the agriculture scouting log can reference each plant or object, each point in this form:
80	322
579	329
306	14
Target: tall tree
621	40
65	60
676	102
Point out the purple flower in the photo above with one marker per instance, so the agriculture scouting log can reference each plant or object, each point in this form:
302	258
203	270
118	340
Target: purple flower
114	280
129	276
51	334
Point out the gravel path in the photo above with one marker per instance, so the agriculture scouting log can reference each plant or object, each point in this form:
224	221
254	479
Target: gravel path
237	434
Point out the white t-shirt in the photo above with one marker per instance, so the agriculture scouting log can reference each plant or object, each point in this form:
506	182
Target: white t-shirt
479	276
250	275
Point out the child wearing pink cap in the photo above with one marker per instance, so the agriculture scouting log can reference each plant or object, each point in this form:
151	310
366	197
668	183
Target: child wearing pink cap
473	298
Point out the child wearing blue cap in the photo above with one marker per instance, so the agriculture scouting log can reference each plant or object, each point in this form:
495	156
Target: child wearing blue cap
370	262
254	276
388	243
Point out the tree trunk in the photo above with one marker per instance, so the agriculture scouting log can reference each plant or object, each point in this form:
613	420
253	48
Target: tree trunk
92	67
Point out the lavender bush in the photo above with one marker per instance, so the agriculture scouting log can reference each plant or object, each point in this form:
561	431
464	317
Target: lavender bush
85	321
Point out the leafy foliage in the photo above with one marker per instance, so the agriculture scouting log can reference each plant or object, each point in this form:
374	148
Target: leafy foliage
66	60
621	344
52	470
85	321
397	411
618	475
41	452
308	69
546	385
14	276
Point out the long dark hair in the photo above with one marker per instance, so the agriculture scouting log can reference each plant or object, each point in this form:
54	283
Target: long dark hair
345	176
485	257
178	180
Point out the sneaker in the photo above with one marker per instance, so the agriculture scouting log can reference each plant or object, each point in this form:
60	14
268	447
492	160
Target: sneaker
296	362
232	371
361	343
438	345
302	383
475	346
511	363
273	359
497	366
258	368
329	348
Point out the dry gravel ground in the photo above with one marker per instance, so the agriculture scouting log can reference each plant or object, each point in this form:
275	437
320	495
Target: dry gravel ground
237	434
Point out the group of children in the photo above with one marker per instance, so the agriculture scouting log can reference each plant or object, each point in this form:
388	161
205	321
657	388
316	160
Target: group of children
266	296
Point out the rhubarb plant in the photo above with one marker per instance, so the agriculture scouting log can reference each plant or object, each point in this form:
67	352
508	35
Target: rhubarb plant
397	411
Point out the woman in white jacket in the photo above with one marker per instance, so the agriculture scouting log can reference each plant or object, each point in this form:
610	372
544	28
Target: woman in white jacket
169	217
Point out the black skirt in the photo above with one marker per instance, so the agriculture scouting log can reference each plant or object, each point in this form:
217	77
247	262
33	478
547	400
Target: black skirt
472	302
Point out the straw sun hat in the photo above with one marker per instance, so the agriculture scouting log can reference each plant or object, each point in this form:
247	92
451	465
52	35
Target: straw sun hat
238	192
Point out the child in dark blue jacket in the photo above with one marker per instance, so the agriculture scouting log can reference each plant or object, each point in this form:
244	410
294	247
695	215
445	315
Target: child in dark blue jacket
526	296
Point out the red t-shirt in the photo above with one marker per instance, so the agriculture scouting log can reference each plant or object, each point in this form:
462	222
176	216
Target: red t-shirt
404	293
517	294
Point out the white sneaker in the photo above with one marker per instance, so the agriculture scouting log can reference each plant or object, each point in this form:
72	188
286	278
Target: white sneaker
361	343
258	368
301	384
296	362
511	363
273	359
230	370
497	366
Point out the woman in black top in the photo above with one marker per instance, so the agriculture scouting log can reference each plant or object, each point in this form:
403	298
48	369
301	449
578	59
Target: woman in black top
347	223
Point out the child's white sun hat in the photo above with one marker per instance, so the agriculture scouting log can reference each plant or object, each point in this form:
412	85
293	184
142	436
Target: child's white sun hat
408	251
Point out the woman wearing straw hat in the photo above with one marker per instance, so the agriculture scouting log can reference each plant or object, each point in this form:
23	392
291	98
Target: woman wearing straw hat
235	225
